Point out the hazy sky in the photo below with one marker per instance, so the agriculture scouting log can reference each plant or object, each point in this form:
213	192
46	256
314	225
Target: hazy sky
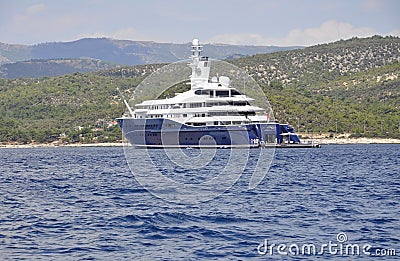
251	22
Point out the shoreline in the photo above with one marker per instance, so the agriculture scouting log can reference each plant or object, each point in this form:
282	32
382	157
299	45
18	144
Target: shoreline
321	141
51	145
343	141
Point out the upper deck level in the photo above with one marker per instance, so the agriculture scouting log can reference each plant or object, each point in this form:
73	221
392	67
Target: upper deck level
211	99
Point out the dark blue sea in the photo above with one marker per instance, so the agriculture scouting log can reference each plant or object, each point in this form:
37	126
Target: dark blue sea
85	204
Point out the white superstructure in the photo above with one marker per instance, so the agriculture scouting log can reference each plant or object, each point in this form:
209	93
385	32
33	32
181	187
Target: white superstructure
209	101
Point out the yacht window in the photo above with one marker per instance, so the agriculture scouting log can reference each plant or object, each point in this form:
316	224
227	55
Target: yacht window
247	113
233	113
202	92
211	104
238	103
222	93
196	105
235	92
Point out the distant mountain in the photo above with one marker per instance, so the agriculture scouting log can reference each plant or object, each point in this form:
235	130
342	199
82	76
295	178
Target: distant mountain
123	52
14	52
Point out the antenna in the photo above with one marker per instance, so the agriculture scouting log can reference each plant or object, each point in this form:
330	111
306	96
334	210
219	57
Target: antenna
126	103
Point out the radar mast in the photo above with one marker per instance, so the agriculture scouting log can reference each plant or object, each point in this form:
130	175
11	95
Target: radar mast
200	67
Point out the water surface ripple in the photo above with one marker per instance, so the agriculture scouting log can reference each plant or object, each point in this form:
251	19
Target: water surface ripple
84	203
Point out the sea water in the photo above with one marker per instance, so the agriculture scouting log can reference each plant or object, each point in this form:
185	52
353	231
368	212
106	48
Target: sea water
339	201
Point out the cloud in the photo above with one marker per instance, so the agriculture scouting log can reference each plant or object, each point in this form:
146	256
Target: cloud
121	34
34	9
29	13
372	5
128	34
328	31
91	35
240	39
395	32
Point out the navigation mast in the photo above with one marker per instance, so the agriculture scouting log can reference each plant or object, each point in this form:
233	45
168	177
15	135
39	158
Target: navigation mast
200	67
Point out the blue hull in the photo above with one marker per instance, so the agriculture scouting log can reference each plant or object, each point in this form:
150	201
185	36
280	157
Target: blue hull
167	133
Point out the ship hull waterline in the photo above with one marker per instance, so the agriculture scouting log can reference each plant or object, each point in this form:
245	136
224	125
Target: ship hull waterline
165	133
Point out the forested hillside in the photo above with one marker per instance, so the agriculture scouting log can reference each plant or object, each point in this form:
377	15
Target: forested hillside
348	86
52	67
